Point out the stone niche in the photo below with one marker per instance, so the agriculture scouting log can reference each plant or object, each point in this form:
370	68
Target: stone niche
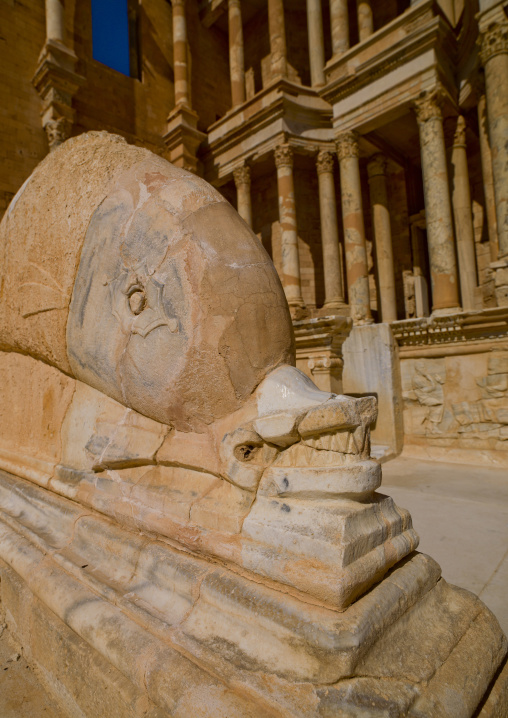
189	526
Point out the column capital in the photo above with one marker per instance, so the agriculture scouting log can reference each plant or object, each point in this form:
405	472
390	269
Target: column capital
377	166
493	41
459	135
347	145
57	130
283	155
242	176
324	161
429	105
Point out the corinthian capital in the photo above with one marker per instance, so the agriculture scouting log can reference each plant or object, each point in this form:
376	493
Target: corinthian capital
429	105
493	41
377	166
242	176
284	156
347	145
324	162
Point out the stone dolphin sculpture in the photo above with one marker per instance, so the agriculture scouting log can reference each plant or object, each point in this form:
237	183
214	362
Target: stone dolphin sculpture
177	492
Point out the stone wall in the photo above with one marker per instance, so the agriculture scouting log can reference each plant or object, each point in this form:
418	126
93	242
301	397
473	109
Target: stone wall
457	402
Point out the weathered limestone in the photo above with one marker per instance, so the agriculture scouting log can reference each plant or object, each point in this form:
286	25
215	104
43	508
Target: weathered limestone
445	290
242	181
372	367
180	53
339	21
461	200
365	19
488	178
383	237
354	231
55	20
276	26
494	57
56	79
332	260
236	60
316	43
186	520
289	234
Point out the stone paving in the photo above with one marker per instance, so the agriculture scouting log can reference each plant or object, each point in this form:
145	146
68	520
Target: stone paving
461	515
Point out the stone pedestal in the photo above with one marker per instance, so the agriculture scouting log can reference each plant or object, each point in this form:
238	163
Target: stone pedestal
372	368
290	275
244	204
462	212
236	59
382	237
319	349
354	231
316	42
183	138
332	260
339	21
443	267
56	82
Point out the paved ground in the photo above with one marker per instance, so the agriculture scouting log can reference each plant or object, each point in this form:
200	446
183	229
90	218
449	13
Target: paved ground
461	515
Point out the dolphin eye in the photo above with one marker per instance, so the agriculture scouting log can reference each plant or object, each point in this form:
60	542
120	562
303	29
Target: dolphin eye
137	300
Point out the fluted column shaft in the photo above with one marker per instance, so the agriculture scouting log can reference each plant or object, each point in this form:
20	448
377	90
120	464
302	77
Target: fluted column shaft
277	29
382	237
464	231
236	58
365	19
289	233
332	266
339	21
180	53
438	212
244	203
316	42
55	20
494	56
354	231
488	178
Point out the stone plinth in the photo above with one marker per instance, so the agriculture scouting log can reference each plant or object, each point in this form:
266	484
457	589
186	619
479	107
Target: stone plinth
319	344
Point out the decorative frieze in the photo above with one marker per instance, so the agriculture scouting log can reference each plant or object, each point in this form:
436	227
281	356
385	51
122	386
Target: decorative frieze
487	324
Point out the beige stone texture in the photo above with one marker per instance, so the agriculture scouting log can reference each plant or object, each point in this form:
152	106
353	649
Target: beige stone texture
208	528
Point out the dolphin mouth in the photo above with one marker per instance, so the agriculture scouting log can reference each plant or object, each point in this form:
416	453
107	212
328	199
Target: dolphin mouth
334	448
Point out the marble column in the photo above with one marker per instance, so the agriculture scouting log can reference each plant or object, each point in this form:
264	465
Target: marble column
55	20
365	19
180	53
316	43
277	29
488	178
438	211
244	203
290	269
332	265
339	21
354	231
383	237
462	214
494	57
236	59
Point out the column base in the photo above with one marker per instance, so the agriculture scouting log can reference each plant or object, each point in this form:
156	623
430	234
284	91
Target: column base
298	310
500	271
360	322
333	308
444	311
